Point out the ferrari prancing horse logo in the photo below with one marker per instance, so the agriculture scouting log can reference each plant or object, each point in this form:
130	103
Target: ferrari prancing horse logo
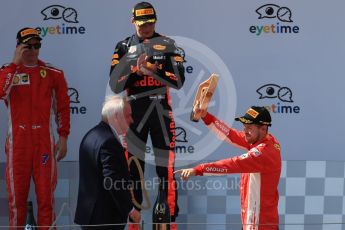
43	73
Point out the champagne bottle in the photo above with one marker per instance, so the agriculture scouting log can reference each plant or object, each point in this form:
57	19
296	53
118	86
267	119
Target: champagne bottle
161	212
30	223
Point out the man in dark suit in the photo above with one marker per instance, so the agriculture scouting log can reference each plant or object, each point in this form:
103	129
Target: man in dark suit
104	196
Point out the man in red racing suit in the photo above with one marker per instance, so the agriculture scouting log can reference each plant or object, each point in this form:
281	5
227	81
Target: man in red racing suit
260	167
33	91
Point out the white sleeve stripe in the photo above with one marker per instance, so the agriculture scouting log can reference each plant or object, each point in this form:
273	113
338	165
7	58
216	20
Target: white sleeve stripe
214	174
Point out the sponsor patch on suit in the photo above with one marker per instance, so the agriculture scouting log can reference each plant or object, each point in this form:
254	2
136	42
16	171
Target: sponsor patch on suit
21	79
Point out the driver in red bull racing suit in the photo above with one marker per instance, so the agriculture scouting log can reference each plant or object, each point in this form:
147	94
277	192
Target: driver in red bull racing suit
146	65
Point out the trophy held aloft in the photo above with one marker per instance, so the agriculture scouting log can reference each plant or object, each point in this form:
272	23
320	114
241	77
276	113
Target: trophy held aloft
203	97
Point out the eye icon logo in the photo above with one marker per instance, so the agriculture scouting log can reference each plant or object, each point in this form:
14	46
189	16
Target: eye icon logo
73	95
76	107
181	134
55	12
275	91
274	11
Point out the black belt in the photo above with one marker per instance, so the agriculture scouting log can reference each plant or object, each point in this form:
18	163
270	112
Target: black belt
157	97
156	94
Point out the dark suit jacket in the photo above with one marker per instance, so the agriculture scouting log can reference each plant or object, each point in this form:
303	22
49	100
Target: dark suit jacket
102	173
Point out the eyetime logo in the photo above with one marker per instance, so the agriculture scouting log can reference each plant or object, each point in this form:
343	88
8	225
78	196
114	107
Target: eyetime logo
64	16
75	106
284	96
182	145
282	15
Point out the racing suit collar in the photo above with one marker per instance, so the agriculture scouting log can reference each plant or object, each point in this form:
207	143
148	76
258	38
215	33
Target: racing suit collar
38	64
140	40
266	138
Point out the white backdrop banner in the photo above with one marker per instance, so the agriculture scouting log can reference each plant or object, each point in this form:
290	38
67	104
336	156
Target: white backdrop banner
286	55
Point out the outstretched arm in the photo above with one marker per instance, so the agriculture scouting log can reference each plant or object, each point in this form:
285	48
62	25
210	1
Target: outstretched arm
260	159
224	132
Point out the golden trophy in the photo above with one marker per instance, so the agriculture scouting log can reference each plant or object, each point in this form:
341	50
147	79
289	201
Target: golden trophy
203	97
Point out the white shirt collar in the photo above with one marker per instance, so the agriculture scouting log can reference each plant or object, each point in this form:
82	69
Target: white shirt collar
119	137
